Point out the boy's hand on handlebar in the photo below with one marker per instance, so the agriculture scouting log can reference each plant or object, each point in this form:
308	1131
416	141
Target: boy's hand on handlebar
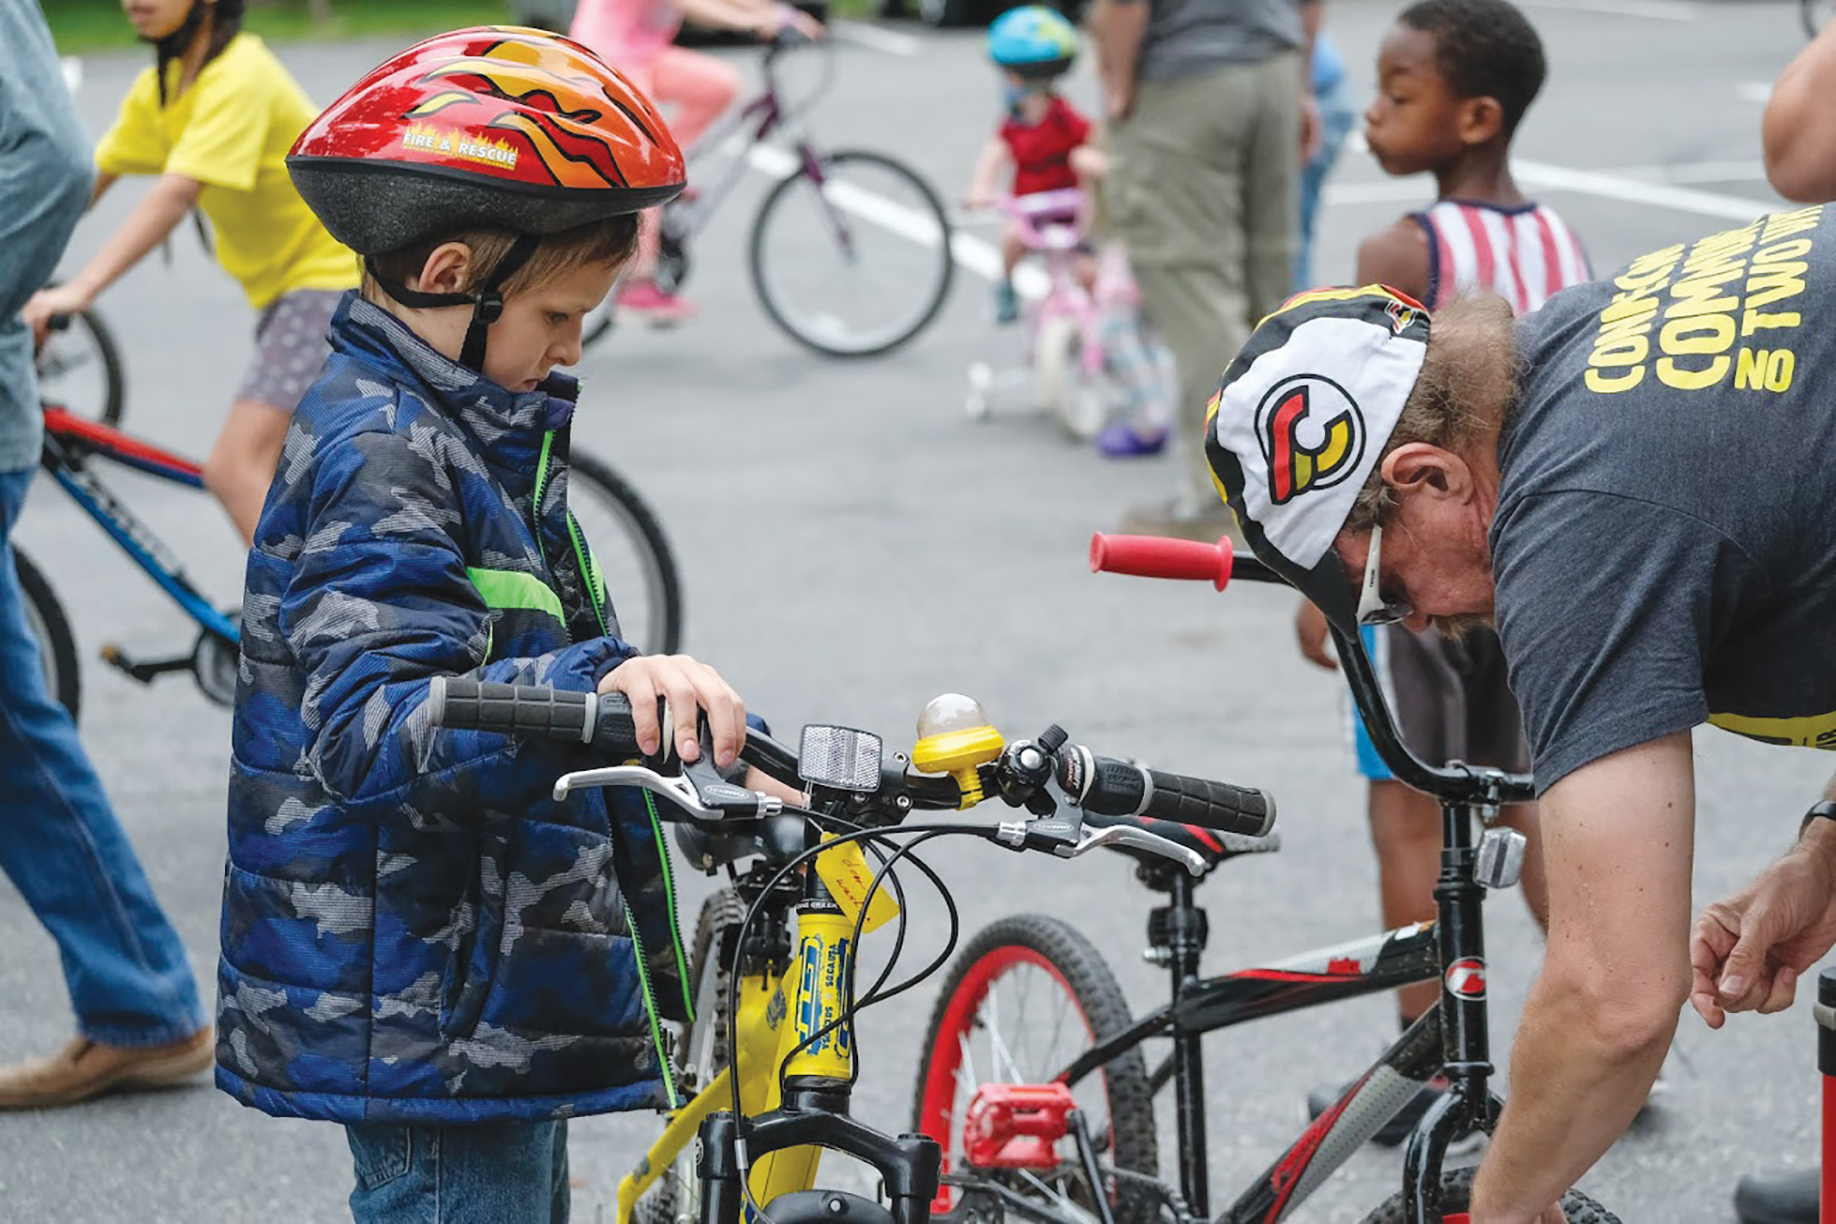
690	687
1310	633
785	18
47	303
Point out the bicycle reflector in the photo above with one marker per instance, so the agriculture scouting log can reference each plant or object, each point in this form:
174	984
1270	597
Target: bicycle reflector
1016	1126
840	757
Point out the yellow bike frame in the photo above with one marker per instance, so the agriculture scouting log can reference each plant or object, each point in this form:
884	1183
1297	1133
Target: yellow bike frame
773	1014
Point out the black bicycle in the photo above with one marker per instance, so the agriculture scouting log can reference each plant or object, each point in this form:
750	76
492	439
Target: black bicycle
1028	975
850	248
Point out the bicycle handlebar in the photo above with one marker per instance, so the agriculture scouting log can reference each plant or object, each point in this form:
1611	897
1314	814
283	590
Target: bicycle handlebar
1110	787
1156	557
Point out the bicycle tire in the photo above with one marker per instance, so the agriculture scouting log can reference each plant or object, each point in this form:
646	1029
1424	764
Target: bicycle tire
56	644
65	350
633	554
1079	404
677	1191
1457	1190
821	332
1125	1135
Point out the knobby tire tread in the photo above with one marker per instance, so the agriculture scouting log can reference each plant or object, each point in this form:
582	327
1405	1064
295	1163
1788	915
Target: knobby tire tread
1457	1191
66	682
596	471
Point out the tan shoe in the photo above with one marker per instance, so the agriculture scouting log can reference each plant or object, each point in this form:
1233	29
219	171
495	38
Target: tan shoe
85	1069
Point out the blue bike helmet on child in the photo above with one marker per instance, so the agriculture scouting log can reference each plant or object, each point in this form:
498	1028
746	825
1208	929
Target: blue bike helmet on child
1032	41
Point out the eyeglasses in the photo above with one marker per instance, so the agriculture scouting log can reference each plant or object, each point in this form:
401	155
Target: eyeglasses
1373	608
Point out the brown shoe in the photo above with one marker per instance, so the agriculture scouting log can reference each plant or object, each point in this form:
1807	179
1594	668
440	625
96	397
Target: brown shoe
85	1069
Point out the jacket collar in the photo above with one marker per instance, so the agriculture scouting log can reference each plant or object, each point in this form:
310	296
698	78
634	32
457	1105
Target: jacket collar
506	426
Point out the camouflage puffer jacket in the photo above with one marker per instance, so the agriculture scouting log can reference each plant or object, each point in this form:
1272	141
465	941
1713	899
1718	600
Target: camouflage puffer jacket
414	930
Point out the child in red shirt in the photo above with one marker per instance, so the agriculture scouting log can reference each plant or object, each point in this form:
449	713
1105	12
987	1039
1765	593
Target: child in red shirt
1034	46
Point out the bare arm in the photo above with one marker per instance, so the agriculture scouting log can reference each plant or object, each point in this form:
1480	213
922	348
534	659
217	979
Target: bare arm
1618	839
173	196
1799	130
762	17
1116	30
987	165
1396	256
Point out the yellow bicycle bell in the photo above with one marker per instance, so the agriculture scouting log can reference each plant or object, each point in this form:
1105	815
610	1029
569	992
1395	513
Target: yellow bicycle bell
954	737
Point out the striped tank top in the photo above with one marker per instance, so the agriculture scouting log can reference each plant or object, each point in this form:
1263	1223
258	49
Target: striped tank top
1523	254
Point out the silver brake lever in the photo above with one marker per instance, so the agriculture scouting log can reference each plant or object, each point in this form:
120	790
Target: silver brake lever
1140	839
680	791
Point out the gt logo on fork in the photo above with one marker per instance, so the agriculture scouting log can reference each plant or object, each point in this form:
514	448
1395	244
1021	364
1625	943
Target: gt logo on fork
1466	978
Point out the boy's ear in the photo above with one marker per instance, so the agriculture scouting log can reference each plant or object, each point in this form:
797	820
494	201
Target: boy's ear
1479	120
447	269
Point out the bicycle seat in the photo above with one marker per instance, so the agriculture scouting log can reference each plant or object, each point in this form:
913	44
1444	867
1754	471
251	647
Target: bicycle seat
1209	844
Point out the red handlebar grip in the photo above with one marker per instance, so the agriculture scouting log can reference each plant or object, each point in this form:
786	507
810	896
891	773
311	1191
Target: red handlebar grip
1159	557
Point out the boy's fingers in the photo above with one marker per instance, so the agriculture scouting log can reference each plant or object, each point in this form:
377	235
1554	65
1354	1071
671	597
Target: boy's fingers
726	715
642	694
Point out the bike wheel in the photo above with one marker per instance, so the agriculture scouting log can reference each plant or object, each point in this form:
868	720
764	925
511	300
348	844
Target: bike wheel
631	553
851	254
56	645
1457	1191
1025	997
1079	402
677	1192
79	368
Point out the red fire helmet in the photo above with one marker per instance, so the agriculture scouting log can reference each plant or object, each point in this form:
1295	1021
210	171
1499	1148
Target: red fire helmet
494	126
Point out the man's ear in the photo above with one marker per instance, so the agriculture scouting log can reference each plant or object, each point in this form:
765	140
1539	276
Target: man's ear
447	269
1479	120
1417	467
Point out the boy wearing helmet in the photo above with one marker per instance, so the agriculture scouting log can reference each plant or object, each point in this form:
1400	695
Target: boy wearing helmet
211	121
1033	45
419	941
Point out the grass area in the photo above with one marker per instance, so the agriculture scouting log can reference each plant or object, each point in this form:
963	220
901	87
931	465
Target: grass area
98	25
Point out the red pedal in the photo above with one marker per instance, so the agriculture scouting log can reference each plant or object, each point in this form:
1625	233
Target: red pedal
1016	1126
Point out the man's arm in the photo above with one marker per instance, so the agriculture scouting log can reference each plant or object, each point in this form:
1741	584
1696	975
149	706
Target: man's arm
1799	129
1748	950
1618	838
1116	30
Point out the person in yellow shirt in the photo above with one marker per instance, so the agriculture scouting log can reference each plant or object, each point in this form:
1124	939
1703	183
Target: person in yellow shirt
213	120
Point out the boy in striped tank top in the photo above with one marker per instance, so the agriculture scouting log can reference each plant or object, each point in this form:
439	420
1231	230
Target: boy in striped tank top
1454	79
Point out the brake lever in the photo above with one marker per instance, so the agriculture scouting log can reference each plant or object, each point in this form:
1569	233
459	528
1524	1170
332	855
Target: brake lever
1140	839
706	798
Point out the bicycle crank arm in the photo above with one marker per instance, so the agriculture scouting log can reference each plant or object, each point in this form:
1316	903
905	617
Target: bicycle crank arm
118	658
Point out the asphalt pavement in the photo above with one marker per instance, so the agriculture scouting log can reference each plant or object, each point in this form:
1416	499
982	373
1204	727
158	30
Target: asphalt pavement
853	545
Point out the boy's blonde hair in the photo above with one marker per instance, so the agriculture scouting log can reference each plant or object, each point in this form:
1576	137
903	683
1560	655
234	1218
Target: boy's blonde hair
611	241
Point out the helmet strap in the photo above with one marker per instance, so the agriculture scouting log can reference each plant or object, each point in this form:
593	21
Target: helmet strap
487	302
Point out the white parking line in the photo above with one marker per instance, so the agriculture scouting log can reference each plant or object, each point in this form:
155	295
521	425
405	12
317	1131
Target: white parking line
1662	10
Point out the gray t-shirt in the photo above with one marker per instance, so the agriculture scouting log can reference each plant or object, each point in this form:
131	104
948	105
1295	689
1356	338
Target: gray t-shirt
1665	547
1184	37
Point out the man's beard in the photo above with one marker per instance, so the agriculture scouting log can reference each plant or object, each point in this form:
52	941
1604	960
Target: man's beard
1460	625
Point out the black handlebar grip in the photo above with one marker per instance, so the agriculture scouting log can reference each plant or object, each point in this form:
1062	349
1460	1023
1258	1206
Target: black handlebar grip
1210	805
511	709
1108	787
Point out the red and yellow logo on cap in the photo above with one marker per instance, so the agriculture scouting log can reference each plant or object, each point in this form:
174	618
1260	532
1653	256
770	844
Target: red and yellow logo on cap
1311	434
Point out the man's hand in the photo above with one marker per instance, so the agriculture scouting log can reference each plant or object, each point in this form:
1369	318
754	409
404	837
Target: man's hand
47	303
689	686
1310	633
1747	951
1119	99
1313	130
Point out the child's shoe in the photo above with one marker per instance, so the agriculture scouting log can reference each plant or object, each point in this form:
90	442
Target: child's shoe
658	308
1006	302
1122	441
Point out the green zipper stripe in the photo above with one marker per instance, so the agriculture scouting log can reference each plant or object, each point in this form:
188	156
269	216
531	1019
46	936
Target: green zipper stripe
513	589
589	574
650	1012
669	894
548	441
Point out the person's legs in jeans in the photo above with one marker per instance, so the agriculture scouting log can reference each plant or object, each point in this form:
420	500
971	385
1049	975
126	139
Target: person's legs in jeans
489	1173
1335	125
62	847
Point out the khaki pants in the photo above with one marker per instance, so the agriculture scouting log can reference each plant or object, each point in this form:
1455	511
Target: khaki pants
1204	192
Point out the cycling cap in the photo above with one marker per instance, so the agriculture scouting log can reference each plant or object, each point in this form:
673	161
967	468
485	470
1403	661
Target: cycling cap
1300	422
1033	41
496	126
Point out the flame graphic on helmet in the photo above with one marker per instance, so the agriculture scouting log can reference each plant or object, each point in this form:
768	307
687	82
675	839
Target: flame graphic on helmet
555	113
1294	467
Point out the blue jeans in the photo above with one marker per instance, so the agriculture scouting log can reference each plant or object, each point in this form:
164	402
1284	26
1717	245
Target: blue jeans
64	850
1336	118
489	1173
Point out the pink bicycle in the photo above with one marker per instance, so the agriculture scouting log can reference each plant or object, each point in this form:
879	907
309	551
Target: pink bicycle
1086	356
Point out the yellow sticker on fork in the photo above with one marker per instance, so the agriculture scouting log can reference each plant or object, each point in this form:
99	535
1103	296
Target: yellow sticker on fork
844	869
